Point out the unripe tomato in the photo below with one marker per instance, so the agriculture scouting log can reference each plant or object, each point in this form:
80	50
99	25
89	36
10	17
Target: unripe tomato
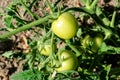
86	41
98	39
65	26
69	61
93	43
45	50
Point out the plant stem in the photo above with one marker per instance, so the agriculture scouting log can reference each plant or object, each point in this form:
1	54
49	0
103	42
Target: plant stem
114	14
73	48
42	64
95	16
80	9
52	46
94	3
29	11
46	36
113	19
101	16
88	3
52	37
25	27
48	3
29	8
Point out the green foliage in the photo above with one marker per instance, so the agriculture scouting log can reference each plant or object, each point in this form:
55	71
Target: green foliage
8	54
31	74
104	74
91	53
104	49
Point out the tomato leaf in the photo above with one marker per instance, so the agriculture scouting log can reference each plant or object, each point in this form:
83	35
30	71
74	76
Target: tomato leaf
79	33
1	14
104	49
8	54
83	1
27	75
105	72
8	22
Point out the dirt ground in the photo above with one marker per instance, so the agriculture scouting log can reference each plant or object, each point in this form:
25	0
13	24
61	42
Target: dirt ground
10	66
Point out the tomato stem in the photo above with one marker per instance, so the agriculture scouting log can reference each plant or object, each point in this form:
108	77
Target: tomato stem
113	19
46	36
94	3
79	9
42	64
102	16
98	16
29	11
73	48
114	14
52	45
48	3
25	27
88	3
51	57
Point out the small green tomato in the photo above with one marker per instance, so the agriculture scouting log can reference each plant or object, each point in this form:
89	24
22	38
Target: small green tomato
45	50
69	61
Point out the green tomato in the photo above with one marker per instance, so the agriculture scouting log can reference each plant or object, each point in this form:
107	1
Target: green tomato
65	26
87	40
45	50
69	61
92	43
98	40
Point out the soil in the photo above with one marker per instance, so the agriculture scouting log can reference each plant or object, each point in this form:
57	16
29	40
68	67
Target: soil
19	42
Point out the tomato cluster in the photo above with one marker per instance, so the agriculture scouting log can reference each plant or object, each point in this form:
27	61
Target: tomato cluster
68	59
66	27
93	43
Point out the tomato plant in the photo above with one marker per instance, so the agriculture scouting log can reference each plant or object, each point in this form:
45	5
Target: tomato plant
65	26
93	20
68	61
92	43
